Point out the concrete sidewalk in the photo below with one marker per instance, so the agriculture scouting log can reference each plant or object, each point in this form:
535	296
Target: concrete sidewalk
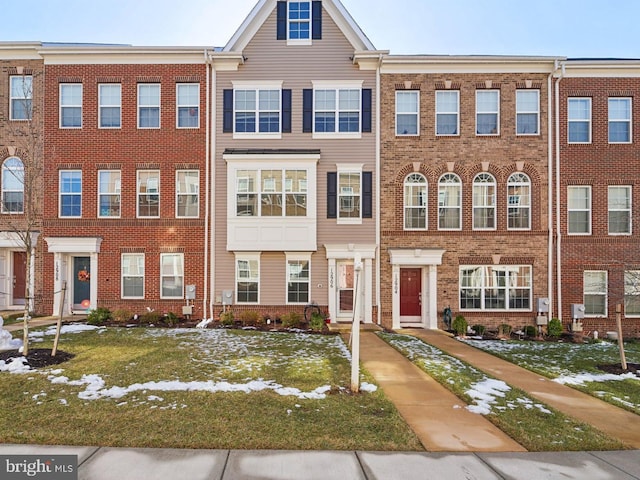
613	421
174	464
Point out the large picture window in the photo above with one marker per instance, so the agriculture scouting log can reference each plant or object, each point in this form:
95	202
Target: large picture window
279	193
496	287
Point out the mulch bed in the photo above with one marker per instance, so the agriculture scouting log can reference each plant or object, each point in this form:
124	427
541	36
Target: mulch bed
616	368
39	357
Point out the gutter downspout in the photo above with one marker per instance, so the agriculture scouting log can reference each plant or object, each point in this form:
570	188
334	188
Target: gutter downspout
550	190
212	157
378	193
207	186
558	231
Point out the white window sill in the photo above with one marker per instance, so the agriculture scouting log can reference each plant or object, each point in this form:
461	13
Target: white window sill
349	221
301	42
337	136
257	136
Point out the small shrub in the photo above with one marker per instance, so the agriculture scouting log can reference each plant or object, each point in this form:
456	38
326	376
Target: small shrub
122	315
530	331
479	329
291	320
150	317
460	325
317	323
249	317
171	319
226	318
554	329
99	316
504	330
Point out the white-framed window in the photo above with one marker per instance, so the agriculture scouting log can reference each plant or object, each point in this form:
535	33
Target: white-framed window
619	120
518	202
407	112
527	112
188	105
448	112
337	110
595	293
257	110
484	202
70	105
148	185
299	21
487	112
20	97
148	105
449	202
12	185
632	293
619	210
346	282
579	120
109	183
171	275
70	193
298	278
132	271
415	202
280	193
187	193
349	195
496	287
579	210
248	278
109	105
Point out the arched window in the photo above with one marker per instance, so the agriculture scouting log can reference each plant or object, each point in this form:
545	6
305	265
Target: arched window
450	202
415	202
519	202
13	186
484	202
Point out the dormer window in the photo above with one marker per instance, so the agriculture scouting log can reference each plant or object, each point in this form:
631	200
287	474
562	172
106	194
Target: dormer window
299	22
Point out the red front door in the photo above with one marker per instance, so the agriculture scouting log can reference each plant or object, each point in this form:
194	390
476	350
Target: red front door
410	292
19	275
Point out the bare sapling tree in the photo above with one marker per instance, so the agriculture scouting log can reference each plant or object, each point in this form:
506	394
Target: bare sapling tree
23	179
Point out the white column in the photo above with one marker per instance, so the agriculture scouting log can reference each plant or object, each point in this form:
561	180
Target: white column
57	282
333	312
368	290
433	297
93	285
32	277
395	286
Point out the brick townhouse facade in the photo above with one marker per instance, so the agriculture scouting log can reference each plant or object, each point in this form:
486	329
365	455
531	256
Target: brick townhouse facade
124	217
465	210
21	157
300	164
598	193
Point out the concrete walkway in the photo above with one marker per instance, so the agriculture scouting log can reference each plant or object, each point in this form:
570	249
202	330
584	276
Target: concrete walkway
434	413
172	464
613	421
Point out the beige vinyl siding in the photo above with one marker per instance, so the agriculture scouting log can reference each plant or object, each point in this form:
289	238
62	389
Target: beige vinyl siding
268	59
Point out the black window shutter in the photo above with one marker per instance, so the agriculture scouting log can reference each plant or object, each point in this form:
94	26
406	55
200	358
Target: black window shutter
367	195
307	110
282	21
332	195
286	111
366	110
316	20
227	108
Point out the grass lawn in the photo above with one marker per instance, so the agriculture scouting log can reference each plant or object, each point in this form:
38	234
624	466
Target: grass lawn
576	365
533	424
198	389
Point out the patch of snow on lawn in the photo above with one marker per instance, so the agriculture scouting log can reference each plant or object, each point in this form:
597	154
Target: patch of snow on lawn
582	378
368	387
15	365
484	395
74	328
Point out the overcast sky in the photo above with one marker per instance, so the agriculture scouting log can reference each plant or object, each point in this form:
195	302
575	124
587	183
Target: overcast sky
572	28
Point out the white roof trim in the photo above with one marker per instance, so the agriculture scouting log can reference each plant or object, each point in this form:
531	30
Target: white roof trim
264	8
